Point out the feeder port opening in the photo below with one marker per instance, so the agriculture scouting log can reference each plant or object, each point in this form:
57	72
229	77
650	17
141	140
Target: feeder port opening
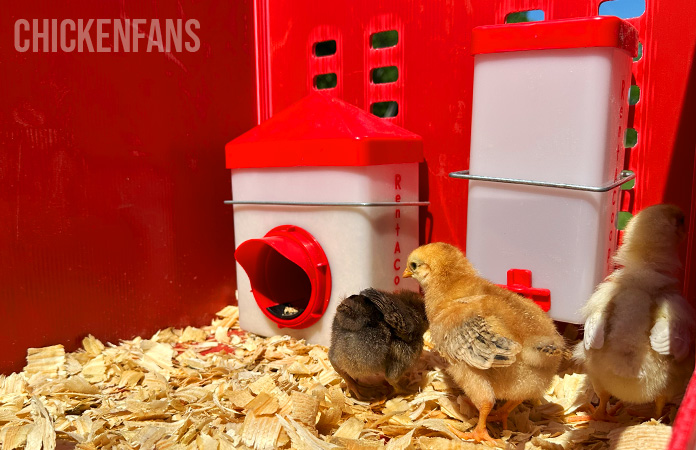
283	284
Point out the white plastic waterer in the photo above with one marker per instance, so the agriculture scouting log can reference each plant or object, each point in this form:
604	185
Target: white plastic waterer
325	201
550	105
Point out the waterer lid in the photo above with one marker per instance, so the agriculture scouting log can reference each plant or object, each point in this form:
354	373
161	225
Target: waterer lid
321	130
598	31
289	275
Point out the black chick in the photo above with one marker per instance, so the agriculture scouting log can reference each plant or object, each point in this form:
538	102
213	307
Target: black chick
377	336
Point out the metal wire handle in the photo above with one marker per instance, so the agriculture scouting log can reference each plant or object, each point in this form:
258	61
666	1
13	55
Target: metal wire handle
625	177
348	204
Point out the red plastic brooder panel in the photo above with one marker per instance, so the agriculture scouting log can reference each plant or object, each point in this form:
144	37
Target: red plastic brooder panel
113	178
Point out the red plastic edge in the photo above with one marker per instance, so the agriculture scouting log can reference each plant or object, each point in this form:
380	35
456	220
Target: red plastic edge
326	152
599	31
315	265
321	130
684	428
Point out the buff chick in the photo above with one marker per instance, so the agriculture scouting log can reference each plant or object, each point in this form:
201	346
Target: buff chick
376	336
638	342
499	345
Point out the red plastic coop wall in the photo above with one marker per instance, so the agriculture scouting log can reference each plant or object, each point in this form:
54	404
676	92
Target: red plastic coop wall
112	176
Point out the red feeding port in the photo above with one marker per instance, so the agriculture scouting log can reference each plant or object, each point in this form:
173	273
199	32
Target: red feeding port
289	275
520	281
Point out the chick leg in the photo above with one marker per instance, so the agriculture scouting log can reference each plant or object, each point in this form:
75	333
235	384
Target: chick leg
659	406
480	432
481	394
394	388
399	359
502	413
614	410
601	411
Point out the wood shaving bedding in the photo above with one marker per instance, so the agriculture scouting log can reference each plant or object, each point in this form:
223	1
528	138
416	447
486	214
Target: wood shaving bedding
218	388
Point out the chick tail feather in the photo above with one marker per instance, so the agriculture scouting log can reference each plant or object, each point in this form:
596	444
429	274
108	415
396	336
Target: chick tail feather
543	351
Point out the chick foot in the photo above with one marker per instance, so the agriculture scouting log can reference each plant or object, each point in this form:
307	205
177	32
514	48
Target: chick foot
364	392
603	416
479	435
370	393
614	410
660	403
402	389
502	413
601	413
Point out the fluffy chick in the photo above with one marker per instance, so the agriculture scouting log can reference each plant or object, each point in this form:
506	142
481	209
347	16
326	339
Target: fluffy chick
499	344
377	336
639	331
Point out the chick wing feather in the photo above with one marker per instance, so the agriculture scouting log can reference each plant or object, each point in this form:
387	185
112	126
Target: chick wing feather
594	331
659	336
673	331
475	343
595	313
404	324
353	314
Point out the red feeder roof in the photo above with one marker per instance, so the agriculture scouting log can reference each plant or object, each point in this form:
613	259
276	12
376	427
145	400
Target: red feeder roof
599	31
320	130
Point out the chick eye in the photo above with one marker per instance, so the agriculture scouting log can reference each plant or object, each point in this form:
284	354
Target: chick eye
412	265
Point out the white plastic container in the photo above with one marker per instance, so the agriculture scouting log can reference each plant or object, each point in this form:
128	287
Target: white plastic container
363	246
550	104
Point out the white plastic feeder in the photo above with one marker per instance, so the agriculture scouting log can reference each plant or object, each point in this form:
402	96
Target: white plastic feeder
325	201
550	104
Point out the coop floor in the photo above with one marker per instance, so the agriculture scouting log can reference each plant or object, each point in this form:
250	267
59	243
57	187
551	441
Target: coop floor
220	388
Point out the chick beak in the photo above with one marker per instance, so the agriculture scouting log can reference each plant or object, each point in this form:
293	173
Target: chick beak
407	273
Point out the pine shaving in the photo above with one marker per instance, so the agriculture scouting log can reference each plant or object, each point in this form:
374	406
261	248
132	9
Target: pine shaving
218	387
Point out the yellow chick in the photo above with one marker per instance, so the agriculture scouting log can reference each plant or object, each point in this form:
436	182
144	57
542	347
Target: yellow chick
499	345
639	331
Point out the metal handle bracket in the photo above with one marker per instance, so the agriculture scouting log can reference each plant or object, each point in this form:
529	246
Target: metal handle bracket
340	204
625	177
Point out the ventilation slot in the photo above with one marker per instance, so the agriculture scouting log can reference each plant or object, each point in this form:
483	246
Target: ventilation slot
325	48
383	75
385	39
385	109
532	15
325	81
